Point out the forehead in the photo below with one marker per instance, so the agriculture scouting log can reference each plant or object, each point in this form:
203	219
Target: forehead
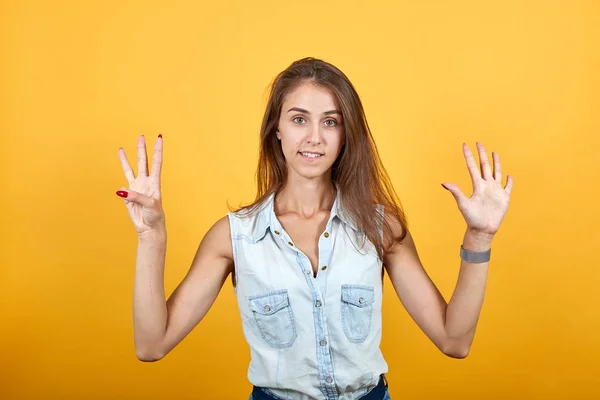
310	96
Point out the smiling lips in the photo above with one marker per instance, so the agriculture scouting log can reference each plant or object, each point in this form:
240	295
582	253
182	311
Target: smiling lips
310	155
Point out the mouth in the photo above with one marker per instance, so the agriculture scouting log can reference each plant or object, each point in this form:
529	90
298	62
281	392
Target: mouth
310	155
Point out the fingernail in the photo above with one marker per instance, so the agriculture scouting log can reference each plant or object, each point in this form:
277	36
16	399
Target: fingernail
444	186
160	136
122	193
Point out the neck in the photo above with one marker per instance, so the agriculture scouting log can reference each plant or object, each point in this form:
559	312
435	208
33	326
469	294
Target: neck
306	198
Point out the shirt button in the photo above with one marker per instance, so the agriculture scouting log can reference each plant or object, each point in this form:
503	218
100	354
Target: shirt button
267	308
329	379
324	267
361	300
323	342
290	243
308	272
326	234
277	232
318	303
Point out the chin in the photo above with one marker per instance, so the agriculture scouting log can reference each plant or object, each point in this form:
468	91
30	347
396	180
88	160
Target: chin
311	173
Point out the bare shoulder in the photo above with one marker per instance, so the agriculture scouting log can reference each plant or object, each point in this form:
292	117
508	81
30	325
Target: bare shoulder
394	222
214	253
218	239
398	229
402	254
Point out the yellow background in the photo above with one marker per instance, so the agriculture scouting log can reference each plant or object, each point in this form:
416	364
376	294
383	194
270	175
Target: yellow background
79	79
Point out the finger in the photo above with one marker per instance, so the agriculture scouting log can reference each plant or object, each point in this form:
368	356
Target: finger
497	167
157	158
125	166
509	184
486	170
472	166
142	156
456	192
135	197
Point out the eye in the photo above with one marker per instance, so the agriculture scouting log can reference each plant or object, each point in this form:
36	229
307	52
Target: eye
297	118
331	122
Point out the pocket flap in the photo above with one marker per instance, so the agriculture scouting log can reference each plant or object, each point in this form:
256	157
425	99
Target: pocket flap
358	295
269	303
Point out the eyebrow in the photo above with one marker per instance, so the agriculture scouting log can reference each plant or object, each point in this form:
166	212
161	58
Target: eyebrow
307	112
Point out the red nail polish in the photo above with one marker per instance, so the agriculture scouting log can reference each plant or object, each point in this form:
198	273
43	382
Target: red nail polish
160	136
122	193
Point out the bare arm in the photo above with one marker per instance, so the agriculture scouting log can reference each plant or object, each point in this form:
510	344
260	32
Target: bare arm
464	307
450	326
160	325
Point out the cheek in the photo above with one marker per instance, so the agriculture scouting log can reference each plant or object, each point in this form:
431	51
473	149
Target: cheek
339	141
291	139
290	145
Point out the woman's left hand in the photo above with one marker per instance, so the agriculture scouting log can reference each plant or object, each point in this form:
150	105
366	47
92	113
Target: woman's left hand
486	207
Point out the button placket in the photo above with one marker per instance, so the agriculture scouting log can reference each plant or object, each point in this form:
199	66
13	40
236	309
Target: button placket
318	291
325	255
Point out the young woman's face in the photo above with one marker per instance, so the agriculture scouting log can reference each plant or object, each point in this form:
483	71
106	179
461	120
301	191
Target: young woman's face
310	130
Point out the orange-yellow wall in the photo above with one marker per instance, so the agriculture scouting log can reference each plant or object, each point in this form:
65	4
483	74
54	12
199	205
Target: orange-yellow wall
79	79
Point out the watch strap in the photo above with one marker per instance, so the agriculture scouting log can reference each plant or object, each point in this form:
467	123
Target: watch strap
475	256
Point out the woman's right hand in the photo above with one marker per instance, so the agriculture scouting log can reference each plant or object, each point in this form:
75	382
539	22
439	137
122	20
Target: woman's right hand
142	198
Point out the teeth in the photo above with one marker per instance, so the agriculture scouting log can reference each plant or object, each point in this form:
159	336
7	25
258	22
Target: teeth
312	155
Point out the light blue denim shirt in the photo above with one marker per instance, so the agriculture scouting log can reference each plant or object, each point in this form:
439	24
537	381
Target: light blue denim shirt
310	338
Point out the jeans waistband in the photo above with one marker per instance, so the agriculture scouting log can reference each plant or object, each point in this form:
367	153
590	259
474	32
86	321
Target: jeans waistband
377	393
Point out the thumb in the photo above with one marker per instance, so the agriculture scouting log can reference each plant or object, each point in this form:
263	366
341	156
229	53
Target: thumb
135	197
452	188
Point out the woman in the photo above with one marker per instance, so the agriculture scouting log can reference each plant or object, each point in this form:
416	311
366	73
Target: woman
307	257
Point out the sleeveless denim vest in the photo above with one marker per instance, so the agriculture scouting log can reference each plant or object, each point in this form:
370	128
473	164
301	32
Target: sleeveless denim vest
309	337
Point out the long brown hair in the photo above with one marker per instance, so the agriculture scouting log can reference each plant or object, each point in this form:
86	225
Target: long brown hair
358	171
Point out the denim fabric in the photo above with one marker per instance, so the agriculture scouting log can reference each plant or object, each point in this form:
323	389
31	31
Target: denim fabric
310	337
386	397
379	392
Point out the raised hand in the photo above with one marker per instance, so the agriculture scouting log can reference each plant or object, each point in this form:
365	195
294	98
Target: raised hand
143	198
485	209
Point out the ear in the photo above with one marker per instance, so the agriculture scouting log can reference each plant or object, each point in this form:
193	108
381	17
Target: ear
277	134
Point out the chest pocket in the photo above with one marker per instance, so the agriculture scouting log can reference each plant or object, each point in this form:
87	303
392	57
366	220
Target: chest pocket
357	307
273	315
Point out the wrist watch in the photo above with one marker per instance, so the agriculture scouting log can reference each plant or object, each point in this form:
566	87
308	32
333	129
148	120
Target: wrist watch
475	256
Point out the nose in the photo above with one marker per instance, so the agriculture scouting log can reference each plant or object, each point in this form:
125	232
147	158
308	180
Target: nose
314	136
